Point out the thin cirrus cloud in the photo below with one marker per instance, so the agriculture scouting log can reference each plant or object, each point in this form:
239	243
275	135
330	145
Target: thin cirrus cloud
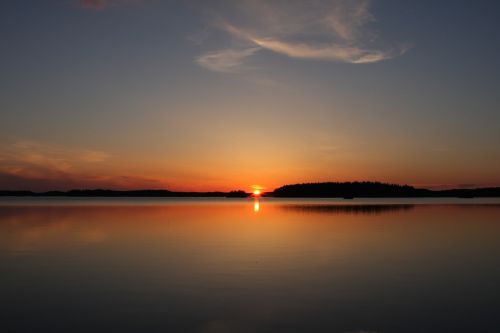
33	159
229	60
336	30
41	166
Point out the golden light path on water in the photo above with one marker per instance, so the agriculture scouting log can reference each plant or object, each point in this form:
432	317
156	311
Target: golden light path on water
256	205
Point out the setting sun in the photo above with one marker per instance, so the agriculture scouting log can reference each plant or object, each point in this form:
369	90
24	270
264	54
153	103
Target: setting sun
256	190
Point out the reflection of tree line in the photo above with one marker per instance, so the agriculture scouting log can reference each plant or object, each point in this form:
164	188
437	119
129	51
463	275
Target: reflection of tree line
349	209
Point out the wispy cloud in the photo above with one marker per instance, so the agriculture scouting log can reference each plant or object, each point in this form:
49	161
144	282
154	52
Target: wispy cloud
93	156
41	166
41	160
336	30
228	60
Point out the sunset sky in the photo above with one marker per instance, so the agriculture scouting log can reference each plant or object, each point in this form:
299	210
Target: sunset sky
222	95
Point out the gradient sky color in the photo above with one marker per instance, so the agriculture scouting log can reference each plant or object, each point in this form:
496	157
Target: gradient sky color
220	95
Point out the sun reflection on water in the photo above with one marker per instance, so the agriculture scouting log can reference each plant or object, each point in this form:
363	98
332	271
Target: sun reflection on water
256	205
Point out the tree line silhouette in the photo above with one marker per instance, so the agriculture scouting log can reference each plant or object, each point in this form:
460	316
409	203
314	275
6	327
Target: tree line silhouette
347	190
133	193
368	189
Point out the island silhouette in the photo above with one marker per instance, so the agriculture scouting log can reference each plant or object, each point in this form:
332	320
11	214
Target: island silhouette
346	190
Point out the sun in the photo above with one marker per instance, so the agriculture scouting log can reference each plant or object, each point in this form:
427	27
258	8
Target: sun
256	190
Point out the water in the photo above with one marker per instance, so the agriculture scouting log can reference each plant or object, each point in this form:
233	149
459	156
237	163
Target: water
231	265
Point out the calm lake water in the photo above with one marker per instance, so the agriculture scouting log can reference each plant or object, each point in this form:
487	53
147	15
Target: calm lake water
238	265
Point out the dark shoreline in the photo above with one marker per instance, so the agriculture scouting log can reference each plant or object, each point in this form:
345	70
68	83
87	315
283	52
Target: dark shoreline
346	190
126	194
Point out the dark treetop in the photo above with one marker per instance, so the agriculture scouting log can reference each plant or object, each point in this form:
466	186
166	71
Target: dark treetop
373	190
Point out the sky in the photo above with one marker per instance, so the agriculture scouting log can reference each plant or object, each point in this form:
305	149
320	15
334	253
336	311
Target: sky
223	95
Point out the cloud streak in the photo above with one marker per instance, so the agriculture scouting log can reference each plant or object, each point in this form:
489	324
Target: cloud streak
227	61
41	159
336	30
29	165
